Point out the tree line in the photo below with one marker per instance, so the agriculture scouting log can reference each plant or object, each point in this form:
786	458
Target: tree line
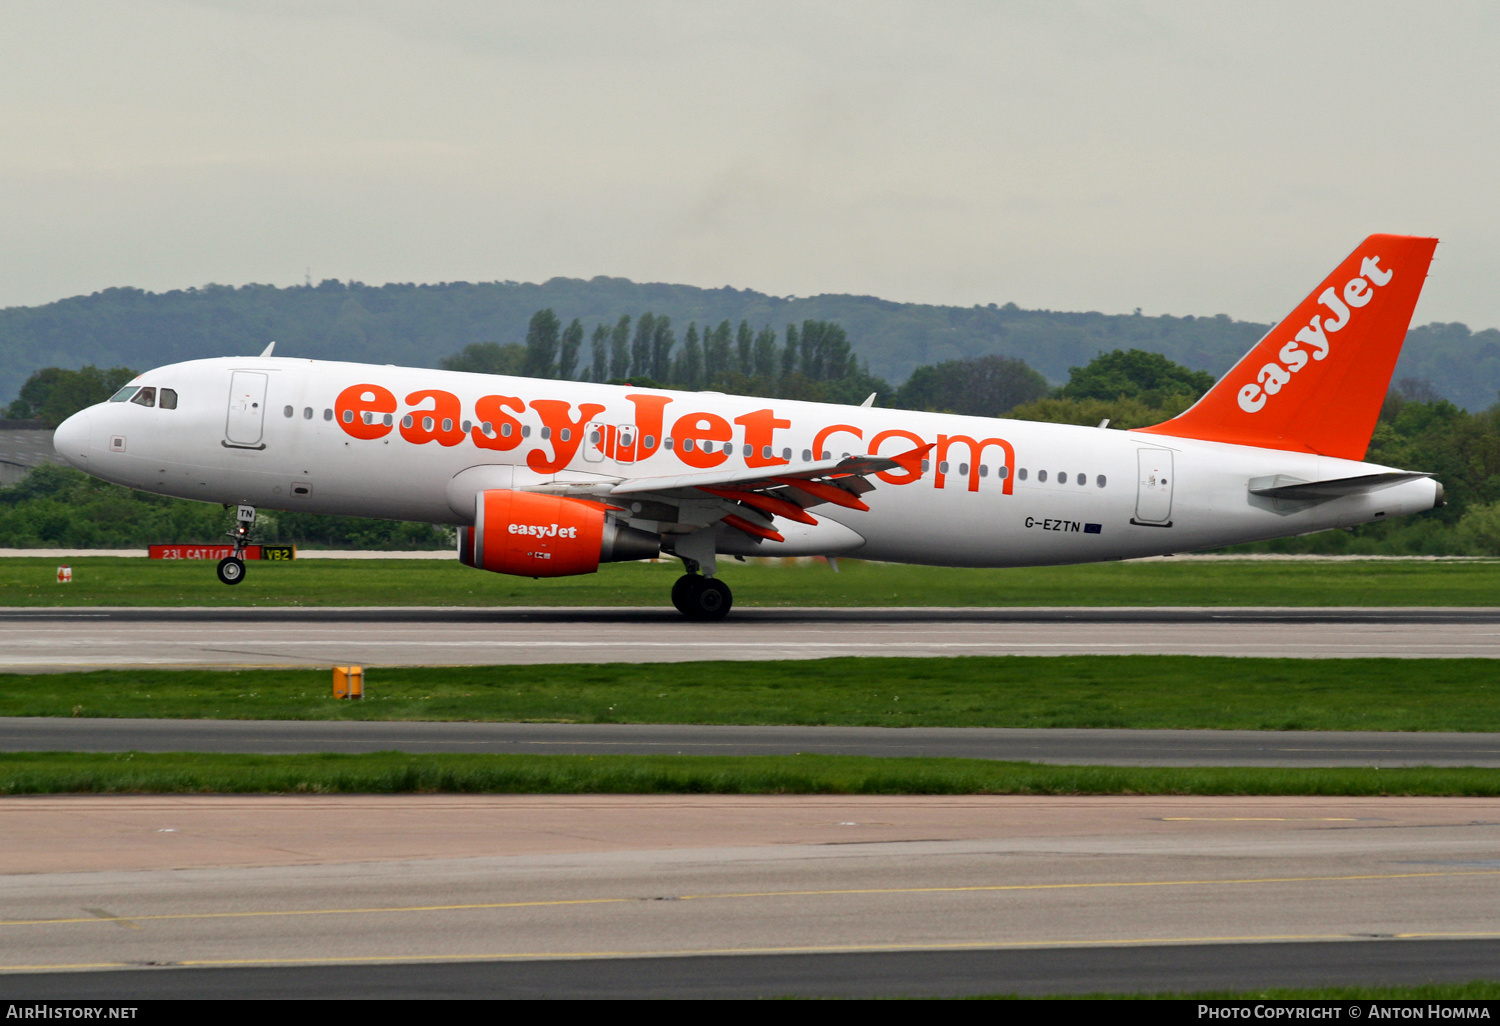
413	325
813	360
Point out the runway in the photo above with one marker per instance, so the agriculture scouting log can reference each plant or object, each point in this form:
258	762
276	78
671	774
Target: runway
35	640
742	896
1386	749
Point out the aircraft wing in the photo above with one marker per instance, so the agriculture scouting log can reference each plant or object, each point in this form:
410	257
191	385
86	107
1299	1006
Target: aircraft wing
824	470
751	499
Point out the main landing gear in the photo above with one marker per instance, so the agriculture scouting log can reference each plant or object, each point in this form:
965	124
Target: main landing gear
232	567
701	598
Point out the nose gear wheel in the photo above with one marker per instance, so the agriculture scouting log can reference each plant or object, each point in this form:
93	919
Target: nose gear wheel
231	570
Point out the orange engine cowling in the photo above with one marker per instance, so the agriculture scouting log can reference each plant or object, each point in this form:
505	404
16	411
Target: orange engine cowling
533	535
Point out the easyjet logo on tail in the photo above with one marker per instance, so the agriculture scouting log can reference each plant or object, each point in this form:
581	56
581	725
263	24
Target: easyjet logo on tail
1315	382
1273	376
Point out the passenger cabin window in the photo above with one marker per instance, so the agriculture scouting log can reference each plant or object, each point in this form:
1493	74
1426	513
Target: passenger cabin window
168	399
145	397
123	394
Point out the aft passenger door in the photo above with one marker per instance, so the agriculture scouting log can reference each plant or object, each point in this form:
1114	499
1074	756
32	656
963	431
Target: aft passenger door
1153	497
247	410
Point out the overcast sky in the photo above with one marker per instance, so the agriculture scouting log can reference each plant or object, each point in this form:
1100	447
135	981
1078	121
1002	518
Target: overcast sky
1181	157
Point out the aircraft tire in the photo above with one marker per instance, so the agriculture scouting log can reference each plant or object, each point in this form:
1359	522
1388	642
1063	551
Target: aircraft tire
681	589
710	599
231	570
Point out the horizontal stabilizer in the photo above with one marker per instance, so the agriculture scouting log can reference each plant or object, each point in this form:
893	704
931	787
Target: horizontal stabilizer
1283	487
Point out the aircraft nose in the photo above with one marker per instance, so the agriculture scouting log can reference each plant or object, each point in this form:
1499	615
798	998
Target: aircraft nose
71	439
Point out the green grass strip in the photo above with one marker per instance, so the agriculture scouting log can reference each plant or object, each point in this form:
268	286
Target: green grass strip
397	773
118	581
1139	691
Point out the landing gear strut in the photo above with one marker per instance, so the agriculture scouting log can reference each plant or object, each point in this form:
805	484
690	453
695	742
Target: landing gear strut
232	567
701	598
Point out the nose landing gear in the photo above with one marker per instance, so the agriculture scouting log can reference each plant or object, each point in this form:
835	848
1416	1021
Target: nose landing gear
232	568
701	598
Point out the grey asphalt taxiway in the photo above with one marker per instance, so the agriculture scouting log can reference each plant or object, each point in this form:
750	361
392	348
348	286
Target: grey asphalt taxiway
43	639
1155	969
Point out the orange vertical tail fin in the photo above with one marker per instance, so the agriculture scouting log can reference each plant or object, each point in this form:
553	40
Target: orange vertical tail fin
1315	383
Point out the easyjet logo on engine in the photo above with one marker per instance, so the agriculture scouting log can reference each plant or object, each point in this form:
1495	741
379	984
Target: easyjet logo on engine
543	530
1274	376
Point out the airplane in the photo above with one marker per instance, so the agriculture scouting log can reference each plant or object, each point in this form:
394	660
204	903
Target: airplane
550	478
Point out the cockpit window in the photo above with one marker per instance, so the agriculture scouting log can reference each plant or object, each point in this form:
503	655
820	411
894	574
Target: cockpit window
168	399
124	394
145	397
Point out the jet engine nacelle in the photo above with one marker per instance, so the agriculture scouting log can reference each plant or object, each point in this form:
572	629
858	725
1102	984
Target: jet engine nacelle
533	535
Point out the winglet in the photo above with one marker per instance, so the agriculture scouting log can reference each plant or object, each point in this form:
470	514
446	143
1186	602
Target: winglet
267	350
912	461
1315	383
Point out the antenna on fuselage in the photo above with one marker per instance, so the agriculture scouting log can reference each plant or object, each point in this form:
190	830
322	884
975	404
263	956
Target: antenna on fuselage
268	349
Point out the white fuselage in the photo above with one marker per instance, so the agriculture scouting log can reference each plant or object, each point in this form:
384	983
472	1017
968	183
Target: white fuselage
1062	494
